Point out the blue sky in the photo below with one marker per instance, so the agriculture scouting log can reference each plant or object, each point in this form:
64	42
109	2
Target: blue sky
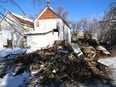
77	9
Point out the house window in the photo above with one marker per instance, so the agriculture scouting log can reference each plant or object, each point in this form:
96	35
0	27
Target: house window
37	23
58	28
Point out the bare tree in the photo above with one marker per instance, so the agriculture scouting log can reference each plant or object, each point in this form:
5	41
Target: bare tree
62	12
108	26
32	17
60	9
73	25
35	2
90	28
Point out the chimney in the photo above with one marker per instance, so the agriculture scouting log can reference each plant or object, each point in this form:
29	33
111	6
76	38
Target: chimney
48	3
23	15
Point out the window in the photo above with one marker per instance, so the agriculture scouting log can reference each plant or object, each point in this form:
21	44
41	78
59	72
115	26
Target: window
37	23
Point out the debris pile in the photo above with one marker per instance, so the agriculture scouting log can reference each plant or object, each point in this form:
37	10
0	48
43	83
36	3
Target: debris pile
59	66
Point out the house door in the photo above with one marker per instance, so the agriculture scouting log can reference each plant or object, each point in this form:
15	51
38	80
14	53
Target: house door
9	43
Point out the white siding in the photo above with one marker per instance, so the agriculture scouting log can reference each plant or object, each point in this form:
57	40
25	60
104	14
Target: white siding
6	36
56	36
40	41
46	24
67	35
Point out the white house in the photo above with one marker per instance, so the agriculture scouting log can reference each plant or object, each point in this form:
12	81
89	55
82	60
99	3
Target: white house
13	28
48	28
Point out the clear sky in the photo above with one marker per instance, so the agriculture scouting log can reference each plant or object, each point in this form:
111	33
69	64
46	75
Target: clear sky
77	9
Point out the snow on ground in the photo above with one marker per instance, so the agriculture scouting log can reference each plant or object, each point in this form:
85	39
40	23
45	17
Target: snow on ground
30	50
111	63
7	51
11	81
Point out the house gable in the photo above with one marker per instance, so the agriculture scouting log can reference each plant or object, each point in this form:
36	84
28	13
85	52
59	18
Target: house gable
48	13
22	20
15	18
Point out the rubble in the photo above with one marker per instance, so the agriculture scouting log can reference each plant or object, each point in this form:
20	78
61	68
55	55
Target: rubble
103	50
51	64
59	66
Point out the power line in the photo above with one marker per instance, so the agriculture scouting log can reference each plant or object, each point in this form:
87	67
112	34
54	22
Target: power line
14	3
3	8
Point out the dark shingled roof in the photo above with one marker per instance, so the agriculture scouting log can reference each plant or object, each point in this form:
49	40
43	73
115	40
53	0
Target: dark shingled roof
23	21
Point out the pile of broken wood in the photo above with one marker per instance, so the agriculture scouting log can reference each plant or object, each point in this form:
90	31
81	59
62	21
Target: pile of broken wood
61	65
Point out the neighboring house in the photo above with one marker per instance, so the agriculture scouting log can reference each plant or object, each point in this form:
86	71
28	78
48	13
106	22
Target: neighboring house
48	28
80	35
13	28
77	35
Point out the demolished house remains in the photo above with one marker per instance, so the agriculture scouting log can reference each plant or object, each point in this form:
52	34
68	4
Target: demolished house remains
13	28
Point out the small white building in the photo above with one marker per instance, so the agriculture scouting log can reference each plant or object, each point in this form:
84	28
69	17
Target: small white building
48	28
